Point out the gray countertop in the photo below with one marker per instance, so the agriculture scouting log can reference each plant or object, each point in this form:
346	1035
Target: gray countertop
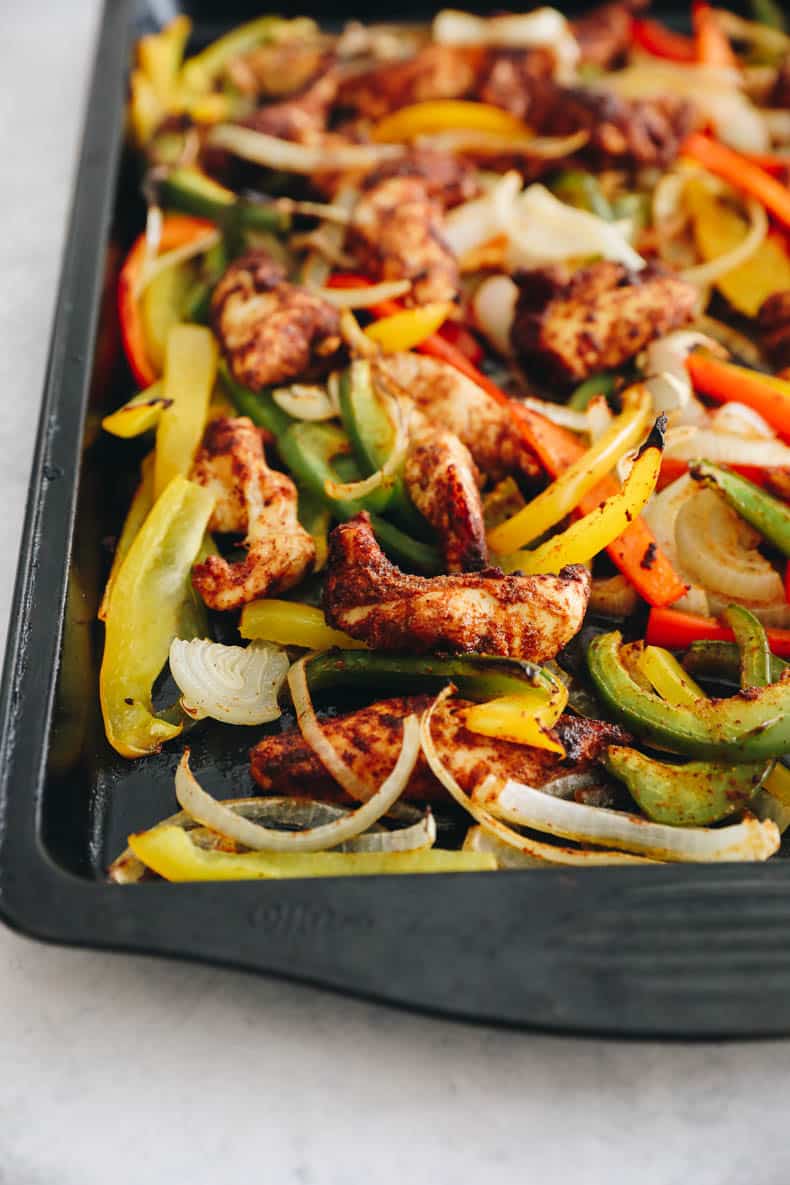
126	1070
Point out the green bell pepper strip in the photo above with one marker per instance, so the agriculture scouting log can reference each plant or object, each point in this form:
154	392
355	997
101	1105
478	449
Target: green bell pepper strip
769	12
578	188
746	727
477	677
768	515
405	550
260	407
752	643
692	795
721	660
308	450
192	192
599	384
372	436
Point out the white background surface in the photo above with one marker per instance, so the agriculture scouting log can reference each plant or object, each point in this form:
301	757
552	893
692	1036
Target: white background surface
128	1070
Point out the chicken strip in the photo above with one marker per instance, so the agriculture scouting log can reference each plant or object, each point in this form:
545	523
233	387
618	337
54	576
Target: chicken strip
370	739
396	234
447	177
299	117
272	331
566	329
443	483
451	400
604	33
254	499
516	616
436	72
276	69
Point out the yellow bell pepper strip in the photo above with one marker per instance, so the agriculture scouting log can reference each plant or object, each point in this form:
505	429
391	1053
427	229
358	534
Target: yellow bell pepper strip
145	110
523	719
441	115
564	495
718	229
598	529
777	783
200	72
407	329
139	415
144	614
289	623
141	503
159	56
162	305
169	851
636	552
177	229
190	372
668	677
727	383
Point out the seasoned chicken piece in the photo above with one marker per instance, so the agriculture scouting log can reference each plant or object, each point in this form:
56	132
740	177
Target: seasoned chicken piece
255	499
396	234
443	482
279	68
369	741
566	329
299	117
447	177
487	612
271	331
510	78
436	72
774	322
451	400
604	33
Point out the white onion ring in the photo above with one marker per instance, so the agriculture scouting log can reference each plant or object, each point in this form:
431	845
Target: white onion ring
214	814
306	402
291	157
711	548
527	807
363	298
512	839
233	684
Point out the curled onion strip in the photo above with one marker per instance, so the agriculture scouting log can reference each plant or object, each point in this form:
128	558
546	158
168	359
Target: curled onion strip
558	413
211	813
233	684
358	342
290	157
512	839
153	267
725	448
496	144
363	298
399	418
527	807
719	550
707	273
305	402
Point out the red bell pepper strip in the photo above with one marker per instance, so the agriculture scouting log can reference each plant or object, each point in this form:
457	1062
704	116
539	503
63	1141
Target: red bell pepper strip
460	337
662	42
727	383
672	469
635	552
675	631
711	43
742	173
787	582
177	229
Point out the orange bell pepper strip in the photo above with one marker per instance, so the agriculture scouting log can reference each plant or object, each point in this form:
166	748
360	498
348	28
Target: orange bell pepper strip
676	630
711	43
177	229
742	173
727	383
635	552
662	42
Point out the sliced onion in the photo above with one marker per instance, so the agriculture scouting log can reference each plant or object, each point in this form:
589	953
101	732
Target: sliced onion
558	413
741	420
756	33
708	273
494	306
506	835
358	342
214	814
363	298
234	684
667	377
306	402
544	27
661	514
719	550
316	269
725	448
182	254
470	224
732	340
527	807
415	838
399	416
613	597
597	417
774	613
290	157
544	230
478	839
498	144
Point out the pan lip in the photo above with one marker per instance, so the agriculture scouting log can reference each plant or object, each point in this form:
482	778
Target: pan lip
576	936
